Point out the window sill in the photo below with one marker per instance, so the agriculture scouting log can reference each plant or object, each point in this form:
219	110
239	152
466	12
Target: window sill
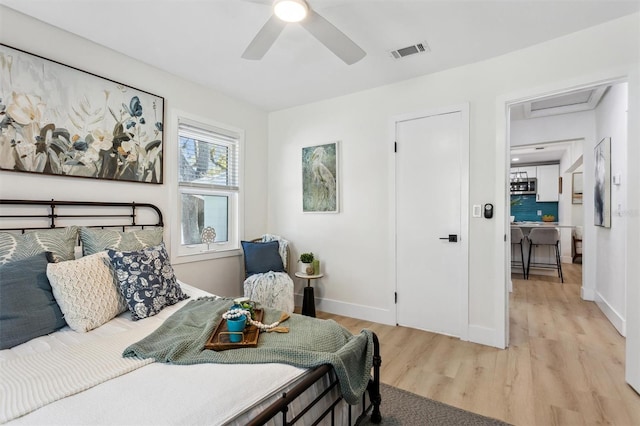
205	255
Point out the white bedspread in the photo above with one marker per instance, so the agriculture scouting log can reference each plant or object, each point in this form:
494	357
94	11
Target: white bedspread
28	383
153	394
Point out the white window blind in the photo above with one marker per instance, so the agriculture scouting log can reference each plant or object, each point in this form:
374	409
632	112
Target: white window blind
208	157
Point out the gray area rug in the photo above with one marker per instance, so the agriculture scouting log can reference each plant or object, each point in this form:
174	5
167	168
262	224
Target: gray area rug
400	407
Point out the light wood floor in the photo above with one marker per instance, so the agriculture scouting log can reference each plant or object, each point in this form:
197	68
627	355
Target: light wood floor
564	365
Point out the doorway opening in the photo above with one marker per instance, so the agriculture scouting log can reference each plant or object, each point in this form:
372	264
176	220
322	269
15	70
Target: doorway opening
555	129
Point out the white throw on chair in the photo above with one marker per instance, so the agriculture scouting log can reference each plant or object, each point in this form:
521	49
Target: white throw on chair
267	281
545	237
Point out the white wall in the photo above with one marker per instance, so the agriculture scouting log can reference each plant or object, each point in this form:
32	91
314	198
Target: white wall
221	276
356	245
632	213
554	128
566	208
611	280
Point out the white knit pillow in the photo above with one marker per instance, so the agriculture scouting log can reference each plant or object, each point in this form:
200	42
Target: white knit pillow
86	291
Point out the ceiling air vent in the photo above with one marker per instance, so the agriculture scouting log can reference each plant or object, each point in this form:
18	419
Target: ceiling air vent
410	50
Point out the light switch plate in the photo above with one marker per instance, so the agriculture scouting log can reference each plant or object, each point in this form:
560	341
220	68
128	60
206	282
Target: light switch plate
477	210
617	180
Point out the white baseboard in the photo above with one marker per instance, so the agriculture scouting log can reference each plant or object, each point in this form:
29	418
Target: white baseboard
612	315
477	334
587	294
543	271
352	310
548	271
566	259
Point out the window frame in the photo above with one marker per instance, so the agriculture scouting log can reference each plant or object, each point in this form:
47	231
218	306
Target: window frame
198	252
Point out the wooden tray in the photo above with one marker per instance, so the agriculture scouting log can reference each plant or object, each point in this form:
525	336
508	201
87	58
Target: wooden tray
220	341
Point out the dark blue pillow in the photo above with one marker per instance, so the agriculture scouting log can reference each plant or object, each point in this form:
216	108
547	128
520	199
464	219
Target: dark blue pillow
261	257
147	280
27	306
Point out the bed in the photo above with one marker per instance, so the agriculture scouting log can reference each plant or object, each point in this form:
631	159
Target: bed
73	376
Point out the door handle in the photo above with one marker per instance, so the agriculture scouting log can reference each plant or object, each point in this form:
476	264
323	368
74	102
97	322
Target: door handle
453	238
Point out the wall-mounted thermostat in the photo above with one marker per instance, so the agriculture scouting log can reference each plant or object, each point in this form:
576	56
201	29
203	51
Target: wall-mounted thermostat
488	211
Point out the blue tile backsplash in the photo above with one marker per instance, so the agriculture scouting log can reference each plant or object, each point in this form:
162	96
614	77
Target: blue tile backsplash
527	209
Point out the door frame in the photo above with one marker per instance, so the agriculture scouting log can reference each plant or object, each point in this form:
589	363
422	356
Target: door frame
463	109
503	145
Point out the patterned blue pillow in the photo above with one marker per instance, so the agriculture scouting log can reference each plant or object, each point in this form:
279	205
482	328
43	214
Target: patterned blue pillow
97	240
146	280
61	242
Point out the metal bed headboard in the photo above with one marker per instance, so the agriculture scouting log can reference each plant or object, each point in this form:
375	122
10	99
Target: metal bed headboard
56	207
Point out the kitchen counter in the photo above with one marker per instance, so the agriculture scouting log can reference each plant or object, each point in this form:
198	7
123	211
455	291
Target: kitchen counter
541	225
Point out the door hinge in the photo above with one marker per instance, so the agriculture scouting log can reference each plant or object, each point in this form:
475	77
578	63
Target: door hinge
395	296
505	238
395	147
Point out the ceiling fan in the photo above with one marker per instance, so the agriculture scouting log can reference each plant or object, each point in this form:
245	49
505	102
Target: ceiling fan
292	11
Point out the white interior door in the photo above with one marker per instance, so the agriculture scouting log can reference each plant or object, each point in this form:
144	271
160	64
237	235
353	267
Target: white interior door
431	204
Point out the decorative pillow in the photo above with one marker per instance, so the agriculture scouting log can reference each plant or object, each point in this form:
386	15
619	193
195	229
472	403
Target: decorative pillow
27	306
146	280
261	257
60	242
97	240
87	291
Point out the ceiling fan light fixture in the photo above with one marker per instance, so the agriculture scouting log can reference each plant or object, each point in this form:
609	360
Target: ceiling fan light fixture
291	10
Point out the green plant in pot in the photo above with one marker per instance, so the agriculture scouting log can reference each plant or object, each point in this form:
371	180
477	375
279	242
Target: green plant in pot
306	263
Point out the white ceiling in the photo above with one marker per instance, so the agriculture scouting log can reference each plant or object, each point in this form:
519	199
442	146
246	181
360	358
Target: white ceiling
540	153
202	40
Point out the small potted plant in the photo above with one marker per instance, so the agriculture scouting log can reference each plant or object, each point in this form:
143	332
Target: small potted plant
306	263
246	304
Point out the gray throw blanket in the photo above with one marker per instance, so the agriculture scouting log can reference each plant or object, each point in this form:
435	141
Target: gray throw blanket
310	343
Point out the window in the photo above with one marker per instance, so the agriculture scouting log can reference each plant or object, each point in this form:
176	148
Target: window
208	186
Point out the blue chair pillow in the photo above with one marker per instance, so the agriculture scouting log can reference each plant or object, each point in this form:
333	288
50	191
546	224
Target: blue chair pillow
261	257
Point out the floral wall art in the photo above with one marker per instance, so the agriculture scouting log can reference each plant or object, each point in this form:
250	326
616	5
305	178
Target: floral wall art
58	120
320	178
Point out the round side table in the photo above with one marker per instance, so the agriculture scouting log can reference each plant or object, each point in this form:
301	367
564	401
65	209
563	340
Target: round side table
308	300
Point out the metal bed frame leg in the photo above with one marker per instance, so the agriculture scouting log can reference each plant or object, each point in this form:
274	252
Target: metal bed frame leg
374	385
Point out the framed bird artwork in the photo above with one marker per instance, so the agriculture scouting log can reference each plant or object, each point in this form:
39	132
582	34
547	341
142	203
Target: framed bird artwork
320	178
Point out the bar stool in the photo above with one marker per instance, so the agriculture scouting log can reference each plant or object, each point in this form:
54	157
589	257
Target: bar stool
517	237
545	237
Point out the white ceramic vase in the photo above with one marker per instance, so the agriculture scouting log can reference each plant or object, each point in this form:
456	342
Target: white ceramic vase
304	266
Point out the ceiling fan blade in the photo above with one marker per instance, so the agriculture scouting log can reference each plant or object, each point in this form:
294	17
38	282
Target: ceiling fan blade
334	39
264	39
